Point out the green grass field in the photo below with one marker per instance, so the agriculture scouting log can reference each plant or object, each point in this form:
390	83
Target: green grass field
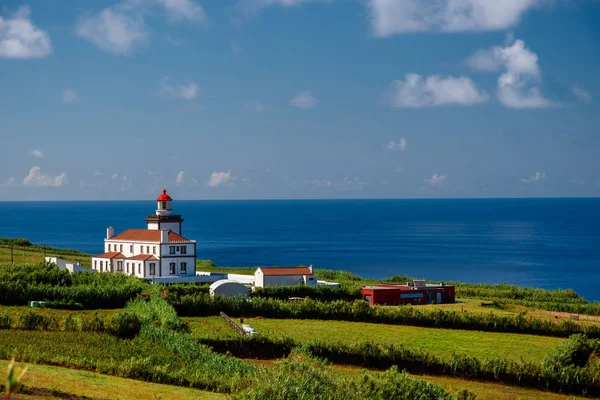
483	390
21	255
14	311
440	342
98	386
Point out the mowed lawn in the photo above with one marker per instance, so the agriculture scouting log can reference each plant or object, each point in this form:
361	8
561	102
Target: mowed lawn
98	386
440	342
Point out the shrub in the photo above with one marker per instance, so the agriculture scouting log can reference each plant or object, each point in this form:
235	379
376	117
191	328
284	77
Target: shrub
31	320
94	324
125	325
5	321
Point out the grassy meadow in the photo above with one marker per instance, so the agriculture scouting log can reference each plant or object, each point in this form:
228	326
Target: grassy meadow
58	381
164	353
439	342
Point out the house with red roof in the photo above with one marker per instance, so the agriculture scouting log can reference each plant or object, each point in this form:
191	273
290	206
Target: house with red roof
158	252
284	276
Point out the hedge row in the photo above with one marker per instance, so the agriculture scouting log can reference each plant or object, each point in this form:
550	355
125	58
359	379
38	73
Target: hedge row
197	305
566	369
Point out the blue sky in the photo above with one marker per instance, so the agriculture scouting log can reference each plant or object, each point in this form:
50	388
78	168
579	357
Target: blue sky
252	99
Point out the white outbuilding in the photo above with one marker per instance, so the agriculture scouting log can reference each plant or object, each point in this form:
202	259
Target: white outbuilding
229	288
284	276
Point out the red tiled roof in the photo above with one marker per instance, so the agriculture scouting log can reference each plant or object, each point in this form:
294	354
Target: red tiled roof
147	235
111	255
283	271
164	196
143	257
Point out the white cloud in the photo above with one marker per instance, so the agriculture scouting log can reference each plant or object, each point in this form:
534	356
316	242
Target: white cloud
399	145
435	179
256	106
115	176
180	177
19	38
390	17
435	90
113	30
37	153
219	178
69	96
11	180
186	92
304	100
581	94
538	176
37	178
519	85
183	9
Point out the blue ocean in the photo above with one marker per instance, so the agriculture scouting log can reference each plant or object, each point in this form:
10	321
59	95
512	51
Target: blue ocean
548	243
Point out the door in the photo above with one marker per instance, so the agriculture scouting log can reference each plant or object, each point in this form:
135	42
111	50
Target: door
439	298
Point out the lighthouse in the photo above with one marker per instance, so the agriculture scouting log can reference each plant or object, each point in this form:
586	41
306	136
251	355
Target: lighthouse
158	253
164	217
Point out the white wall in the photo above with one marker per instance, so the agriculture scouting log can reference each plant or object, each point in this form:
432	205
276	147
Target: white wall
190	265
287	280
174	226
189	249
259	278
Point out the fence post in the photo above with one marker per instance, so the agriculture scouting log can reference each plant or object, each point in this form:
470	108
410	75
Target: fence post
12	260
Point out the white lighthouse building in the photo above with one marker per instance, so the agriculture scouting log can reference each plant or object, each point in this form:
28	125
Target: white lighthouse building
159	252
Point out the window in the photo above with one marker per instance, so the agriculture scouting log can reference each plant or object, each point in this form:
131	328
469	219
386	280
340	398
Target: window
141	249
127	267
183	268
183	250
153	249
147	249
152	271
120	266
139	268
121	248
95	264
131	249
171	249
164	205
109	247
101	265
172	268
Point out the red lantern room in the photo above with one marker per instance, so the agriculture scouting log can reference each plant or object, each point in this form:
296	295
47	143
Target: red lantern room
164	204
164	219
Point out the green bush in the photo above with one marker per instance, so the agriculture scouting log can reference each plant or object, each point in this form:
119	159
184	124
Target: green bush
5	321
125	325
302	378
30	320
22	283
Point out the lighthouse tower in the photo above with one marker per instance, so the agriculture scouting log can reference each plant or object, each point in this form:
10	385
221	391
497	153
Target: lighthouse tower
164	217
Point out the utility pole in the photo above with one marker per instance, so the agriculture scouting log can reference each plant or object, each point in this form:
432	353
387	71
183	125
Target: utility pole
12	260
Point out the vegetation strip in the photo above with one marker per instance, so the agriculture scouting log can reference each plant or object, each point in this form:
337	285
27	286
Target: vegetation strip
199	304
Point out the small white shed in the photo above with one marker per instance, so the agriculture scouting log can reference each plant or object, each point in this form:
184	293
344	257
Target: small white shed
227	287
284	276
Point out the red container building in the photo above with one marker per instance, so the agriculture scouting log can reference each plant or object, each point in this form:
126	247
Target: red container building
416	293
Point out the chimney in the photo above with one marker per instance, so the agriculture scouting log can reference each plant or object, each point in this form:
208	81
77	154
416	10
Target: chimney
311	268
110	232
164	236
